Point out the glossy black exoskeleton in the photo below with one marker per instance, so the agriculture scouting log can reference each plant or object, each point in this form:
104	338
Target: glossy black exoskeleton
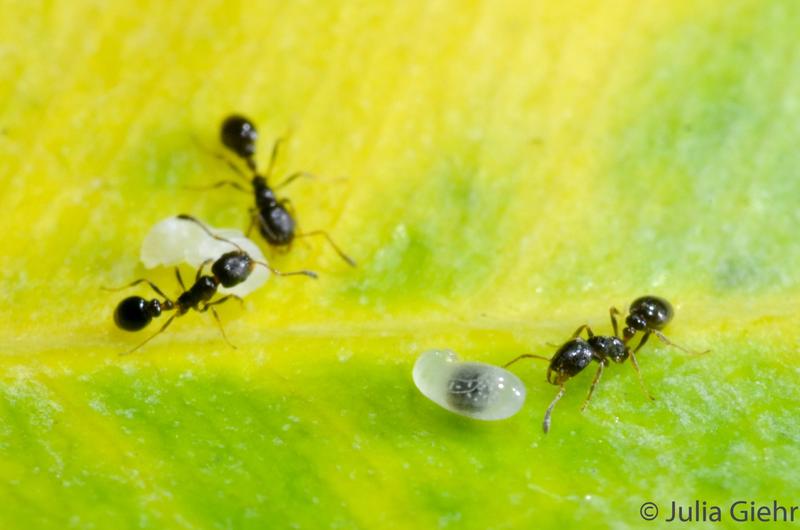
240	135
274	216
648	315
576	354
232	268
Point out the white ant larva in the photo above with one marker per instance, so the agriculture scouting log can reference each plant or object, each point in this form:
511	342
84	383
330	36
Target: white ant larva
478	390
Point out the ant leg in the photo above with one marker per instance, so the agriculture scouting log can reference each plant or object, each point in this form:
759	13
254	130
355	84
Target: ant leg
208	306
221	329
578	331
635	364
546	422
665	340
200	269
324	234
137	282
596	380
294	176
276	272
185	217
253	219
180	280
154	335
234	167
220	301
220	184
613	312
642	342
525	356
276	147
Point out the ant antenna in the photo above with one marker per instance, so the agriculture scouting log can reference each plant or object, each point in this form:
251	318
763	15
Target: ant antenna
526	356
186	217
276	272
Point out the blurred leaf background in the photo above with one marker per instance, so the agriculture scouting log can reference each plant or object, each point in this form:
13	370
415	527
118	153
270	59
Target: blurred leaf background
502	171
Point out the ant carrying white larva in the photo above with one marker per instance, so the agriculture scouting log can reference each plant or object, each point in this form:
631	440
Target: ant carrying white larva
232	268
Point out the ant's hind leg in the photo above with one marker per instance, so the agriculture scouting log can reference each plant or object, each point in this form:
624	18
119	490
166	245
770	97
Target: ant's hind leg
250	163
549	411
137	282
580	329
596	380
641	342
613	312
665	340
635	364
151	337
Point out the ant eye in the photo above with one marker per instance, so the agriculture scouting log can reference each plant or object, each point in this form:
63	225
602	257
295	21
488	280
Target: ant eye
174	241
478	390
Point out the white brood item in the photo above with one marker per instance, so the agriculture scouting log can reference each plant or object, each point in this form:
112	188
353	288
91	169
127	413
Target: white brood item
478	390
174	241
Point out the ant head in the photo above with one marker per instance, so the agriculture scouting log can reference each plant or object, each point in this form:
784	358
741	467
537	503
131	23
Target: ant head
232	268
134	313
609	348
239	135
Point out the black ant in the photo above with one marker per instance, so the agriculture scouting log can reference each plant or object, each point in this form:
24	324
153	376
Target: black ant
275	217
230	269
649	314
576	354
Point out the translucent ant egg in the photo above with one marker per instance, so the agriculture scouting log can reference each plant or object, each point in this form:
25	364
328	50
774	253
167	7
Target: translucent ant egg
478	390
174	241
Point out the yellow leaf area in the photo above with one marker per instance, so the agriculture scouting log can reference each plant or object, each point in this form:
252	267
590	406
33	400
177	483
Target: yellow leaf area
503	172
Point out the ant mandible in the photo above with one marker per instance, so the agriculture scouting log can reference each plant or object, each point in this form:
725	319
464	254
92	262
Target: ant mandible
576	354
275	217
232	268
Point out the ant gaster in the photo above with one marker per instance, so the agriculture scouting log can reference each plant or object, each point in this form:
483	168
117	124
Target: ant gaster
649	314
275	217
576	354
230	269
